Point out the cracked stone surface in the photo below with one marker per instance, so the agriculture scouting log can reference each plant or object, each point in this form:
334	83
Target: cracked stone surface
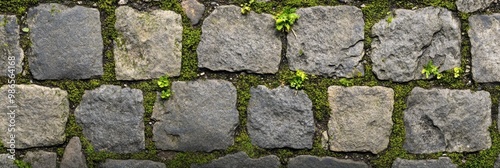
328	41
444	120
363	122
234	42
308	161
74	54
241	159
199	116
441	162
280	117
193	9
111	163
149	44
112	118
472	5
40	116
485	39
11	53
41	159
402	47
73	156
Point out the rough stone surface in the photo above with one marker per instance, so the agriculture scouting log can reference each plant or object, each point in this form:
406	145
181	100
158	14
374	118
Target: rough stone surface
193	9
442	162
439	120
233	42
110	163
328	41
9	45
280	117
111	118
74	54
73	156
41	159
241	159
6	162
401	48
472	5
308	161
40	115
199	116
149	44
361	118
497	162
485	39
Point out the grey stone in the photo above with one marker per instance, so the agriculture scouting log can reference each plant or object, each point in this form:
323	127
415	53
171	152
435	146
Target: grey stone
110	163
241	160
280	117
193	9
346	1
439	120
41	159
497	162
361	118
111	118
472	5
122	2
6	161
485	39
404	46
39	118
148	45
233	42
199	116
308	161
11	52
66	42
442	162
328	41
73	156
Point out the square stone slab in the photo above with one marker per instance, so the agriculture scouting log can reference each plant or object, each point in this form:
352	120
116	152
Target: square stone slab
328	41
361	118
242	160
442	162
444	120
111	163
149	44
199	116
11	53
233	42
66	42
308	161
472	5
485	42
112	118
37	116
41	159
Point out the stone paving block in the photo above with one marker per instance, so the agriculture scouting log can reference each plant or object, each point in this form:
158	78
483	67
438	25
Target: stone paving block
328	41
112	118
199	116
401	48
111	163
497	162
361	118
11	53
485	39
193	9
308	161
280	117
444	120
233	42
149	44
442	162
41	159
66	42
472	5
6	162
241	159
38	115
73	156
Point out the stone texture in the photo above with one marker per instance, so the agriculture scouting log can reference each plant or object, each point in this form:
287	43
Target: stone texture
439	120
6	162
73	156
472	5
110	163
193	9
111	118
497	162
328	41
40	115
442	162
280	117
11	52
241	159
41	159
149	44
66	42
485	39
199	116
401	48
308	161
233	42
361	118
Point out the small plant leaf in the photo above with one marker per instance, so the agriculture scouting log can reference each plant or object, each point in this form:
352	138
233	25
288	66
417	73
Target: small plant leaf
26	30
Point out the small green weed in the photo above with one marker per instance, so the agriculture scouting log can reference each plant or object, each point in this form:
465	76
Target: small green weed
297	82
285	19
431	69
457	71
247	7
22	164
26	30
346	82
164	84
390	17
